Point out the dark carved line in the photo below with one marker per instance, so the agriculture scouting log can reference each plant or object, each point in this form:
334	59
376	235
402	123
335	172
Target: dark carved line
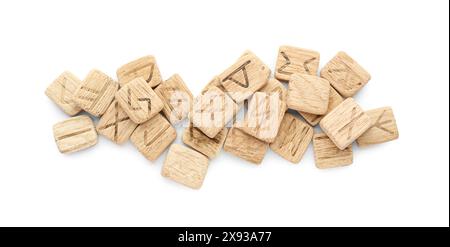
148	143
286	64
244	71
305	64
73	134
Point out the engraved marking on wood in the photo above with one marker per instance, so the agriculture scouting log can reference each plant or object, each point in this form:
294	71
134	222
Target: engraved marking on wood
244	72
351	123
305	64
349	77
285	65
379	124
73	134
148	143
116	121
291	129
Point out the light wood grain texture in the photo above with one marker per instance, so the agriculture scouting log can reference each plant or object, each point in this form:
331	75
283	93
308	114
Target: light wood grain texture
212	110
335	100
115	124
244	77
139	100
384	127
345	123
196	139
308	93
61	92
185	166
264	115
144	67
293	138
275	86
345	74
215	82
293	60
245	146
74	134
153	137
95	93
177	98
327	155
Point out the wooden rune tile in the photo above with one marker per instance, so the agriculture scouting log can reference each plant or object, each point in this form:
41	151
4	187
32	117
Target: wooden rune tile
244	77
196	139
384	127
177	98
335	100
153	137
345	74
293	60
308	93
75	134
61	92
139	100
345	123
264	115
115	124
212	110
185	166
293	138
95	93
144	67
245	146
327	155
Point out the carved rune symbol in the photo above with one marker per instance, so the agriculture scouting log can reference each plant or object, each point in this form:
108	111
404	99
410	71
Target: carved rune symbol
116	121
149	79
286	64
353	118
149	102
380	124
346	75
242	68
305	64
63	90
90	91
156	137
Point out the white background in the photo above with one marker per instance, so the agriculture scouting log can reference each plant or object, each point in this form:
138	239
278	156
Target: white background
403	44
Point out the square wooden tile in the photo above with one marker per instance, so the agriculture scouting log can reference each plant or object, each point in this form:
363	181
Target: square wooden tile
74	134
327	155
115	124
335	100
245	146
177	98
264	115
275	86
139	100
244	77
384	127
308	93
95	93
345	123
212	110
345	74
293	60
61	92
185	166
144	67
293	138
196	139
153	137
